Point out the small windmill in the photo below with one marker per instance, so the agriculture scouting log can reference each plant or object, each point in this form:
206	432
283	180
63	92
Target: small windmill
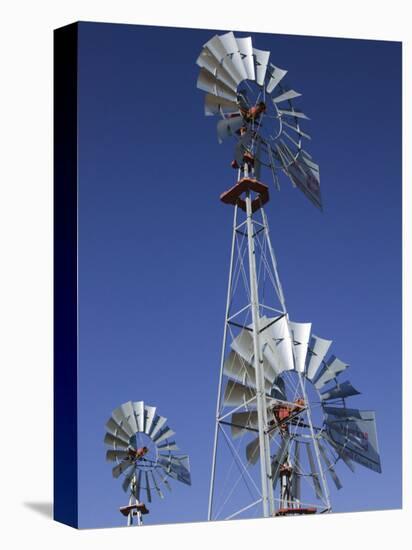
145	454
280	401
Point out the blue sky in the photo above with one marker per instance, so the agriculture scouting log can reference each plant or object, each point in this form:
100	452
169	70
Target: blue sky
154	245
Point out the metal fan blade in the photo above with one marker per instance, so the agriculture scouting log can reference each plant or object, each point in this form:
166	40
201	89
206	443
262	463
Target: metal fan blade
289	94
112	456
231	46
139	415
243	345
111	439
296	129
293	113
122	467
279	389
291	139
296	479
208	62
128	480
252	451
236	368
301	335
218	105
329	466
149	414
236	395
162	478
241	421
128	411
332	368
341	390
155	485
162	435
318	348
277	344
121	418
276	75
157	425
344	412
227	127
208	83
246	51
114	429
178	472
261	63
279	459
148	491
358	438
340	451
272	168
171	446
217	47
314	474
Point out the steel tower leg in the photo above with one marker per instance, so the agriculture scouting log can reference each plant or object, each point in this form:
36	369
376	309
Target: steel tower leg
222	359
265	472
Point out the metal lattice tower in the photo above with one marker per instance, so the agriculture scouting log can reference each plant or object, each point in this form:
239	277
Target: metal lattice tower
280	402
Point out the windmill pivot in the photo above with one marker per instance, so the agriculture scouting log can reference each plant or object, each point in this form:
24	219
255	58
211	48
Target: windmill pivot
134	509
252	114
233	195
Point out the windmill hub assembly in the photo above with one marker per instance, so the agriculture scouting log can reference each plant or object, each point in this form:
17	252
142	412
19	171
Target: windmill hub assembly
281	404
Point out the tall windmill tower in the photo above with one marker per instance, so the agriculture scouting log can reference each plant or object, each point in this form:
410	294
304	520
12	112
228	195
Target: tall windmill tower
282	416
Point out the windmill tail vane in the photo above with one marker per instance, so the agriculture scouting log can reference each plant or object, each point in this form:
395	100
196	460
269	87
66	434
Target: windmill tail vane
282	414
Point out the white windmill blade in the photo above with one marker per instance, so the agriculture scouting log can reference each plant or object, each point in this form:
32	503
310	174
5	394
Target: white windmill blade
122	467
111	439
162	478
128	480
297	470
286	96
148	491
241	421
177	471
261	64
329	466
127	410
227	127
301	335
158	423
296	129
121	418
297	144
279	458
277	344
279	389
218	105
139	415
236	368
252	451
149	414
243	345
113	456
246	50
169	446
217	48
165	433
332	368
114	429
314	473
232	48
208	62
339	391
156	485
276	75
293	113
208	83
237	394
340	450
318	348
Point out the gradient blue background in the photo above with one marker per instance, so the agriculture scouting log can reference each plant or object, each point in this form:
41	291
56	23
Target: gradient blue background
154	245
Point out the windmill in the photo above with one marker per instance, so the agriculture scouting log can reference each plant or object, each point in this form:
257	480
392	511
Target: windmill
140	443
281	399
